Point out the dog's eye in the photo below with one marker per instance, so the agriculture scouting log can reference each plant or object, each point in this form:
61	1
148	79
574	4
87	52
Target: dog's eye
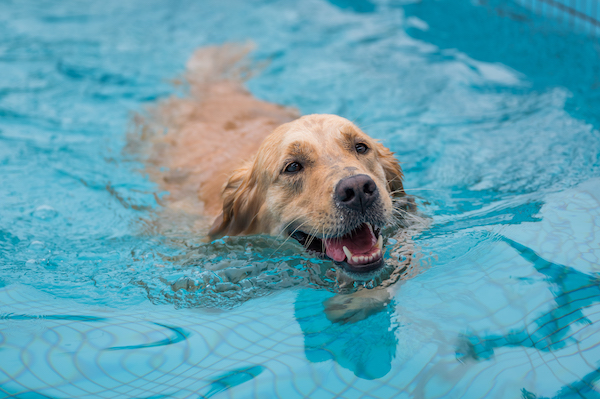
361	148
293	167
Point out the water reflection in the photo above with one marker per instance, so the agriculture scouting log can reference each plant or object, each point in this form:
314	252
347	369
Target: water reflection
551	331
178	333
356	332
232	379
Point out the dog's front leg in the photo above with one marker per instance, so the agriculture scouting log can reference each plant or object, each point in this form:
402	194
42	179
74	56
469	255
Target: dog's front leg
350	308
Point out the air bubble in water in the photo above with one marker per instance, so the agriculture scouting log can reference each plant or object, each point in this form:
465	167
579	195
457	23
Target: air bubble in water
45	212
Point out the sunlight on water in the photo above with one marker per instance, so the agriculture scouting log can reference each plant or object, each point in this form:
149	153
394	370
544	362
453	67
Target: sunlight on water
493	112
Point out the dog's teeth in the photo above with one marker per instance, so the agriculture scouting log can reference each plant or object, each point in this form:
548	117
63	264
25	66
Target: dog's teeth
379	242
370	228
347	252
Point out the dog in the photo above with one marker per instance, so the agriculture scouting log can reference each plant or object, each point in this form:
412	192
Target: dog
236	165
323	182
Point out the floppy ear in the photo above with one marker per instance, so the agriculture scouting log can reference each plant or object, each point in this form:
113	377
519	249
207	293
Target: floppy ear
393	175
393	172
243	198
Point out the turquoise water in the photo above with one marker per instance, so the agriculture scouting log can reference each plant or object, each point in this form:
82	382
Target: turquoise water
493	111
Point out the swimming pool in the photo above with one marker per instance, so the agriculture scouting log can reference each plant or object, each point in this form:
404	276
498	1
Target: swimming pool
492	110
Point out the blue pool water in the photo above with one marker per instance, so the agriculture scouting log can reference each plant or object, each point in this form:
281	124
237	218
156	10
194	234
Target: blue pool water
493	111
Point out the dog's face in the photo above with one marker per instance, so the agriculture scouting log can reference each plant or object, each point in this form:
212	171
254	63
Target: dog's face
321	181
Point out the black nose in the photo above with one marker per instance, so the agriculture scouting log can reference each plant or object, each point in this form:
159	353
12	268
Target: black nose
356	192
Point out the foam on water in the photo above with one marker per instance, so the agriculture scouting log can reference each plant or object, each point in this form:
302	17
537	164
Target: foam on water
492	110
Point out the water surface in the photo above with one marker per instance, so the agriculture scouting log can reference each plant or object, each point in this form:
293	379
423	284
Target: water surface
492	110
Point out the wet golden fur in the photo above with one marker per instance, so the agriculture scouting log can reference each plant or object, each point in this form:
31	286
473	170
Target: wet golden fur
219	153
190	144
260	198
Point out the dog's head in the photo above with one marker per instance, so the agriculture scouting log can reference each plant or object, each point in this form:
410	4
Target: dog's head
322	181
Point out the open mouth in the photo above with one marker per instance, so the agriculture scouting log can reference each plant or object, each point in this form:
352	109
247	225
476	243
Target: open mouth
360	251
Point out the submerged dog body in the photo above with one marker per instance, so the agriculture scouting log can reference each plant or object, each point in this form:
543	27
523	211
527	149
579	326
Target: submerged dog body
321	181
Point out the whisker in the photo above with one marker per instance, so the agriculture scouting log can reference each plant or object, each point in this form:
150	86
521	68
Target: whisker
424	189
312	236
295	230
401	215
289	224
405	214
286	240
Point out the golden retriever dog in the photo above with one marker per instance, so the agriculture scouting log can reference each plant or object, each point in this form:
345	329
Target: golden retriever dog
322	181
244	166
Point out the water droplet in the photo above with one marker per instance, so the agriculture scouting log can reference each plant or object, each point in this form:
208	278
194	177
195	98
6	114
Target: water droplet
45	212
37	247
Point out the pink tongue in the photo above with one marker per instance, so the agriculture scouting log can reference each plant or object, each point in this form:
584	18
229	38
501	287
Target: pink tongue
360	241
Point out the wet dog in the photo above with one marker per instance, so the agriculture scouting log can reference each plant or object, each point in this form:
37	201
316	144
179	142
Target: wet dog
245	166
321	181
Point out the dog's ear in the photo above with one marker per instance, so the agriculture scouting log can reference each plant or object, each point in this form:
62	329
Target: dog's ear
393	172
243	198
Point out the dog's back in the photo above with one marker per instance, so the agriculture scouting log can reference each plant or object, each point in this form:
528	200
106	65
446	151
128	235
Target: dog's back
193	143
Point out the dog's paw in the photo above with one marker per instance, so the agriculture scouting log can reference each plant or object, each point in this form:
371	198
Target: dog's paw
355	307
